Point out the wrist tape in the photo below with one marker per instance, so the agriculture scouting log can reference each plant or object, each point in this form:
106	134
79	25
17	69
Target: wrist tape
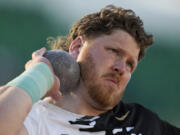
36	81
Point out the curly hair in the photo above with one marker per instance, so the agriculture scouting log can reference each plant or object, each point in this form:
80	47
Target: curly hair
104	22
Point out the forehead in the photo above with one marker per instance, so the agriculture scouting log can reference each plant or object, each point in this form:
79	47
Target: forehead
118	39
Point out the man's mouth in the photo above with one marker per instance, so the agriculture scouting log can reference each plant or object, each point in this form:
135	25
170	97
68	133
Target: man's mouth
112	78
113	81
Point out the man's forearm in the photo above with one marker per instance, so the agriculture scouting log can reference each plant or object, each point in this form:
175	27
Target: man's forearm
3	89
15	104
18	95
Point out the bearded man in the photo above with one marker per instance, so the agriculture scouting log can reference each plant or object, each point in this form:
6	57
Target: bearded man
107	45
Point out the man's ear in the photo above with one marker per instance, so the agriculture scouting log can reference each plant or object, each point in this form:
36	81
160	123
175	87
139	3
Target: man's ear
75	47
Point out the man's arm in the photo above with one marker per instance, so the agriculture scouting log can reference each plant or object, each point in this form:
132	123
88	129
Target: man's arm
17	97
15	104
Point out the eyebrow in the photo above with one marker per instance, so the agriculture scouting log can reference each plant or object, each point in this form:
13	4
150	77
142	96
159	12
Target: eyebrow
135	60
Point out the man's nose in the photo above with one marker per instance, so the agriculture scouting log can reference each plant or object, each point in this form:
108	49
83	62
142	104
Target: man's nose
119	67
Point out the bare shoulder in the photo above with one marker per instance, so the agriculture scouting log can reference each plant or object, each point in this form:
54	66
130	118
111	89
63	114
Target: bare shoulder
23	131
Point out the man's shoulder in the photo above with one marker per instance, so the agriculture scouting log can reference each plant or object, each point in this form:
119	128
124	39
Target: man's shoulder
135	109
144	119
136	115
141	110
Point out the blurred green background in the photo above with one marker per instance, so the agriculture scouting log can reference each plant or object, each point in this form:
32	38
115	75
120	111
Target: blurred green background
25	26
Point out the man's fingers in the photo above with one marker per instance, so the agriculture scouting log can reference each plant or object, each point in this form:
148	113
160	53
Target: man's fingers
39	52
56	96
56	85
27	64
37	57
54	91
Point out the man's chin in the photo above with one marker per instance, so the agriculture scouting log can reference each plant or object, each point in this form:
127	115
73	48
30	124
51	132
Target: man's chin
107	106
105	97
107	103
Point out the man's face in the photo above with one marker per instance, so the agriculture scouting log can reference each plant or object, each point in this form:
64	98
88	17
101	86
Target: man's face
107	63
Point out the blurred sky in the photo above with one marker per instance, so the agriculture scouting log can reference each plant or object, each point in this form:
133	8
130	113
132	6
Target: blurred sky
161	17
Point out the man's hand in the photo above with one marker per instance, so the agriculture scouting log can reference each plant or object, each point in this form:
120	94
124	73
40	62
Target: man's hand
37	57
15	102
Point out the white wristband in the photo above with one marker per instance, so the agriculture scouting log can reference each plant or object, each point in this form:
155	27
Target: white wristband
36	81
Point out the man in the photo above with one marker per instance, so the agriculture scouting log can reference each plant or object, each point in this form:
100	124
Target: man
107	45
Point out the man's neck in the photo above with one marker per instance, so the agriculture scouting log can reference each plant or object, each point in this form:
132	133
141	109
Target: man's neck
77	103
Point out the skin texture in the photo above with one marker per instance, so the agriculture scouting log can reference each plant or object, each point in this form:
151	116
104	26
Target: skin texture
12	110
37	57
11	106
107	63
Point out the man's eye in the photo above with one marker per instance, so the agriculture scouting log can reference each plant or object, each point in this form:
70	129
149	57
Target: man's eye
130	64
113	50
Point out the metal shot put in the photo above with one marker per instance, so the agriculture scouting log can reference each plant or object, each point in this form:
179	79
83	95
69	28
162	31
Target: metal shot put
65	68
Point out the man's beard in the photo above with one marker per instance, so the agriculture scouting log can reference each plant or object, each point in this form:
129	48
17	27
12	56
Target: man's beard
102	96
